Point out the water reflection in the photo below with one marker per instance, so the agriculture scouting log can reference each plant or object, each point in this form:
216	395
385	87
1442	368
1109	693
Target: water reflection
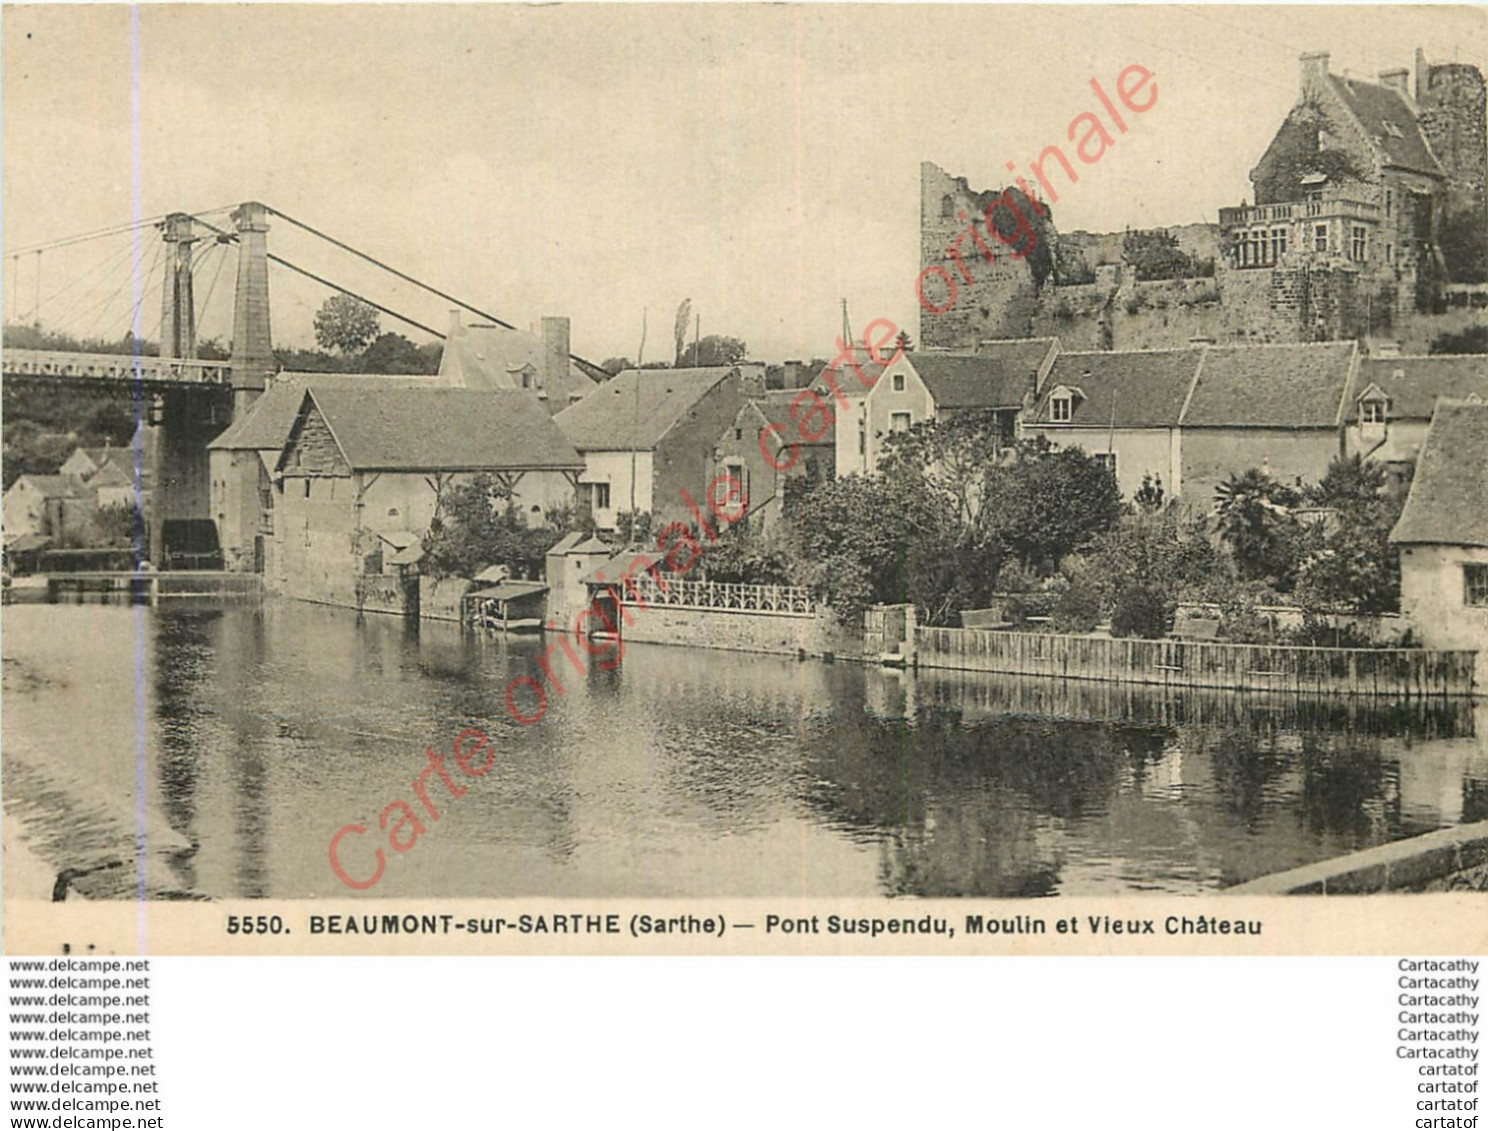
685	772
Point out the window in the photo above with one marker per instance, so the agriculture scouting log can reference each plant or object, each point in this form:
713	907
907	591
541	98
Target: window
1389	253
1374	412
898	382
1389	201
1358	243
1475	583
947	206
1061	409
307	487
1320	238
738	433
1107	460
899	422
1278	244
601	496
1257	249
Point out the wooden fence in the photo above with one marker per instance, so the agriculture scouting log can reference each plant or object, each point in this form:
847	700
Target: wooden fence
1408	673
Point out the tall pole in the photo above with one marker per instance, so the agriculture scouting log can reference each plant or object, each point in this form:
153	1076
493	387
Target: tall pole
635	428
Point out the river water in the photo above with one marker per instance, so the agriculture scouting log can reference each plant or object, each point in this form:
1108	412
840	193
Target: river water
257	732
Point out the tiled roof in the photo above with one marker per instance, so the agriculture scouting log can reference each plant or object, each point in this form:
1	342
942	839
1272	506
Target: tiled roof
847	380
1446	501
775	407
484	357
636	408
441	429
111	474
999	375
1130	389
1390	123
1414	383
266	424
1288	386
56	486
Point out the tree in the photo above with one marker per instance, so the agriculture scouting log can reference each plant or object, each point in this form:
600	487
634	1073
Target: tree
1474	339
1349	563
477	525
715	349
1156	255
848	540
391	353
1255	521
345	324
1048	503
904	342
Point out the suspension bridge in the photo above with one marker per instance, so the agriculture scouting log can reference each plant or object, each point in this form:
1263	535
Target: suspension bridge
189	399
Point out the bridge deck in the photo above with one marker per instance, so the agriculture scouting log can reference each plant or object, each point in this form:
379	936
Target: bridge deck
115	367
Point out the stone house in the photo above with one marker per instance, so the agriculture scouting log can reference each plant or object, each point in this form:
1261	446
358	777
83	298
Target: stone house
1394	398
1443	534
56	506
364	469
241	461
1193	417
1280	408
648	435
1003	377
1124	408
486	357
773	439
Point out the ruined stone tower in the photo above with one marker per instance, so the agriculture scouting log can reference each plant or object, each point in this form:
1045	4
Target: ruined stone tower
1450	103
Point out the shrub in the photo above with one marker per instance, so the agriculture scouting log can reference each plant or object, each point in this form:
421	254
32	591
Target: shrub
1077	609
1144	611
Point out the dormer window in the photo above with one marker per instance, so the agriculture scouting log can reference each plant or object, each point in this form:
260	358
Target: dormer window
1373	412
1061	408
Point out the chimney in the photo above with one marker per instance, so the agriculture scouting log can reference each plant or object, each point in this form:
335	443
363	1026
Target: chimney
1314	70
792	376
555	362
1398	80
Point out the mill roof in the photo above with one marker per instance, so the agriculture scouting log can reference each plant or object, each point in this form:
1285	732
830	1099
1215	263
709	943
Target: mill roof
440	429
637	408
266	424
1445	505
1413	384
1281	386
1390	123
999	375
1130	389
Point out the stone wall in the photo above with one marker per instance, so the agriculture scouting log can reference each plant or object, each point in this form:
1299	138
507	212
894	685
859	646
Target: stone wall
440	598
819	634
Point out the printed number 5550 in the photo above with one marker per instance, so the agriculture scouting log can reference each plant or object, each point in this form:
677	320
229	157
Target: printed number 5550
256	925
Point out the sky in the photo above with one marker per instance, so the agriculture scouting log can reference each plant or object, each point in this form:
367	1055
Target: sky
605	162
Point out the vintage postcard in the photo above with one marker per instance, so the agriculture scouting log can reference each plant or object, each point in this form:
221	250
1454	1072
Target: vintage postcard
821	479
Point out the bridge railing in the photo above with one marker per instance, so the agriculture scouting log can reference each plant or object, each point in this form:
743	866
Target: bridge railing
114	367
